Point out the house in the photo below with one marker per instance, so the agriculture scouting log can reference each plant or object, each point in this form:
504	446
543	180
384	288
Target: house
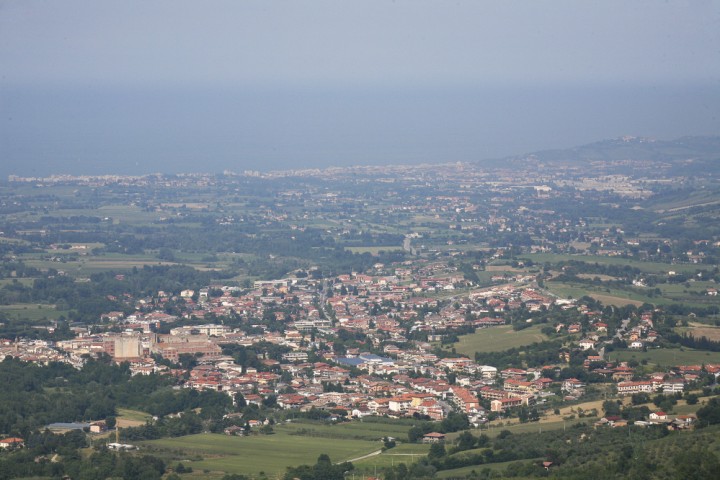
658	416
513	373
572	385
98	427
12	442
434	437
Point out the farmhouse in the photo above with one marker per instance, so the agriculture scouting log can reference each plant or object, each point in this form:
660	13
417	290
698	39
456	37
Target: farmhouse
12	442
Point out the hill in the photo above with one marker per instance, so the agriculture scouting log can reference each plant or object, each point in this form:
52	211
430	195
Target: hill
631	155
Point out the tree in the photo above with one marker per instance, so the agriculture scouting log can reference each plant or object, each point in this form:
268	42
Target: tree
710	413
611	408
437	451
465	441
110	421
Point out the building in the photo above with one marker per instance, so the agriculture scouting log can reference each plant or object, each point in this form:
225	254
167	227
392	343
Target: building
12	442
505	403
628	388
434	437
126	347
465	401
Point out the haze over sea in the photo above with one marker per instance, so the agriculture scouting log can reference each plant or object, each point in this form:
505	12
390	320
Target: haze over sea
136	131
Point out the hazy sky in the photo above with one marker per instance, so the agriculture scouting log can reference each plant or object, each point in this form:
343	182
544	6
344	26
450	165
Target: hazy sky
125	86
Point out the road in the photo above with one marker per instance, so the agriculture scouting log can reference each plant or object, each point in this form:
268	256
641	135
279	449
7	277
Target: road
378	452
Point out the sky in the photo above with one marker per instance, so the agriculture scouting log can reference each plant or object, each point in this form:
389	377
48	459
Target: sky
139	86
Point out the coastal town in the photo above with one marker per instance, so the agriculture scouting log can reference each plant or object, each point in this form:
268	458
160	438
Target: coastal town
441	317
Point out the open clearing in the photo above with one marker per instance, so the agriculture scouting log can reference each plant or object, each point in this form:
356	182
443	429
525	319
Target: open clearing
271	454
496	339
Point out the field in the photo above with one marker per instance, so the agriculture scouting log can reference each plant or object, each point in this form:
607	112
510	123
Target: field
374	250
698	330
463	472
650	267
372	431
496	339
131	418
271	454
613	295
667	357
406	453
31	311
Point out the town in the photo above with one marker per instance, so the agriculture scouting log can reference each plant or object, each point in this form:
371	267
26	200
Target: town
459	314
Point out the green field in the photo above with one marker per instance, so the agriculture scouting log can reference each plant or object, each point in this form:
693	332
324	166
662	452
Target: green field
271	454
496	468
374	250
406	453
369	430
22	281
32	312
608	296
667	357
496	339
133	415
612	295
650	267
